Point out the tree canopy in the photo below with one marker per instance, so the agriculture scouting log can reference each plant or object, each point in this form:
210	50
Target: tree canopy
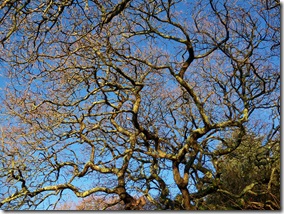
157	104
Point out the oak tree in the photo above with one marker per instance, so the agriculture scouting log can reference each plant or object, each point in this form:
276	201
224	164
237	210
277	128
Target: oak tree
135	100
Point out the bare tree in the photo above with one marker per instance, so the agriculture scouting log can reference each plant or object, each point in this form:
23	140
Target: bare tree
135	99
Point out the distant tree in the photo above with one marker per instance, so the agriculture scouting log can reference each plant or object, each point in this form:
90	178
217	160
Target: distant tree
139	101
93	203
103	203
250	177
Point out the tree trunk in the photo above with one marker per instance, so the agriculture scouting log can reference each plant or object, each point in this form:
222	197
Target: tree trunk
186	199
